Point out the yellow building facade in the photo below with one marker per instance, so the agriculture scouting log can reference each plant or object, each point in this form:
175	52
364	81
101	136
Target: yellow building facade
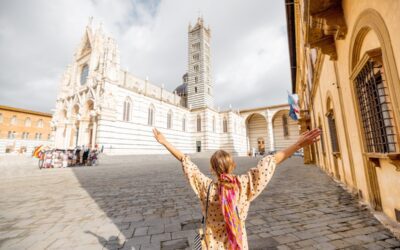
21	130
345	58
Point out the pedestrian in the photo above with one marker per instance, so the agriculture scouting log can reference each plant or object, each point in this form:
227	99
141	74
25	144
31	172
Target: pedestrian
228	198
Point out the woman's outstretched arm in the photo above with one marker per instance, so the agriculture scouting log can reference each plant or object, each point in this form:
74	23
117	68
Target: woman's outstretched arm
161	139
307	138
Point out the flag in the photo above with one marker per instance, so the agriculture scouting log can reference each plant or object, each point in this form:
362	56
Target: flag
294	111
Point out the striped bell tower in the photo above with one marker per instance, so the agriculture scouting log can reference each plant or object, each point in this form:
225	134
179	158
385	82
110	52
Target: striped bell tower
200	85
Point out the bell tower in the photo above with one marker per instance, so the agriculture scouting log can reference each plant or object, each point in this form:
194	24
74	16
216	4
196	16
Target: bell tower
200	85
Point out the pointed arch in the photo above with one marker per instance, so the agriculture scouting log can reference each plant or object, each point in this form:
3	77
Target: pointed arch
169	119
150	115
127	110
225	124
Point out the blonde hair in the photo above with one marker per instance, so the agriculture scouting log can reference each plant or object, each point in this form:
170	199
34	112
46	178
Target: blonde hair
222	163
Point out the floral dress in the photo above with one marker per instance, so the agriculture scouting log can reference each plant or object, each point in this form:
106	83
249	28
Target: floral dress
252	184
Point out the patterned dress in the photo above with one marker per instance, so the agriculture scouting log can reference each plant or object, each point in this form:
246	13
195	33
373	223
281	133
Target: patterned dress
252	184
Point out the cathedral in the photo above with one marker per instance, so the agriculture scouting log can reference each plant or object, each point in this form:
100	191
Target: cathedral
101	104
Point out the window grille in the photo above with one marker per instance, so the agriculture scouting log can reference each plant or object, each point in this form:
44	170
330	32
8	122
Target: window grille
333	133
374	109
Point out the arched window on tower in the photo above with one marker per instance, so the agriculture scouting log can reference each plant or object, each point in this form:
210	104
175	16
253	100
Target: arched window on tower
169	119
198	123
285	125
150	120
225	125
184	123
84	74
127	109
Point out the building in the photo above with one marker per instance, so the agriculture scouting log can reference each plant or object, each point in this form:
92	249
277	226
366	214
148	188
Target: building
21	130
345	68
100	103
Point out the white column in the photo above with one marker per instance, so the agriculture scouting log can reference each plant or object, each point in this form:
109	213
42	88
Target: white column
270	130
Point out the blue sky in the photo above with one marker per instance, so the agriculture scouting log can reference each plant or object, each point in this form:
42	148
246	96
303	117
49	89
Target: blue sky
250	60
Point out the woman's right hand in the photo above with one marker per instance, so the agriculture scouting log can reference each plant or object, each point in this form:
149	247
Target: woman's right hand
159	136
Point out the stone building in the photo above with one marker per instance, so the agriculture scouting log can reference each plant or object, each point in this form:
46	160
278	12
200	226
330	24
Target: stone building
100	103
22	130
345	68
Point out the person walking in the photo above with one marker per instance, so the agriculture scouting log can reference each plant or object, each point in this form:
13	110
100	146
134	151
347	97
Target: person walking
228	199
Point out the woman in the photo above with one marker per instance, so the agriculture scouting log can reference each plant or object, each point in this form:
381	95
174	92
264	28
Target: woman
229	198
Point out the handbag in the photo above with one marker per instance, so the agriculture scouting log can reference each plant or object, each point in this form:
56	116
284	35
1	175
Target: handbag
199	240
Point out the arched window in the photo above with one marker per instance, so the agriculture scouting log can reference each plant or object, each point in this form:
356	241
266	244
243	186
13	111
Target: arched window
184	123
150	118
28	122
213	124
127	109
169	119
332	132
198	123
285	125
1	118
84	74
225	125
14	120
40	123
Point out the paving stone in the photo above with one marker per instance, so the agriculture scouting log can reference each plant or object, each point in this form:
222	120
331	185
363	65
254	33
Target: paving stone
160	237
124	206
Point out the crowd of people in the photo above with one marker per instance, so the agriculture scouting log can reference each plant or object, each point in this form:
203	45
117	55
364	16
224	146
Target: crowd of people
62	158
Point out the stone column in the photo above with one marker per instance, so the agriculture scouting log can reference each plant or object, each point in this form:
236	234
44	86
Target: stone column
270	126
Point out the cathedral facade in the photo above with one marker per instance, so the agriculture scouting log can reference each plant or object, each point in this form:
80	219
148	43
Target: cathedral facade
101	104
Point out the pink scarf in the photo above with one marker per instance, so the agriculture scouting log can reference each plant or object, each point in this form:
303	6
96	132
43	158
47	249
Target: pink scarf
227	198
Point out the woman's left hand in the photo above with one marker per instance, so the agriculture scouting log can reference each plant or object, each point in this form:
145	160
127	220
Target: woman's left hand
309	137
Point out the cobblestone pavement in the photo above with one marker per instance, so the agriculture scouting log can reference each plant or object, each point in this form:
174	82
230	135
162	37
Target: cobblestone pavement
145	203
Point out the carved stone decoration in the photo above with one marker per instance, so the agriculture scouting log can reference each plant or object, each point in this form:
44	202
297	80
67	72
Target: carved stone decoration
325	25
394	159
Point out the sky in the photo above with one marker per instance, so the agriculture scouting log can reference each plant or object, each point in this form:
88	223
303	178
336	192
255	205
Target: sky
249	49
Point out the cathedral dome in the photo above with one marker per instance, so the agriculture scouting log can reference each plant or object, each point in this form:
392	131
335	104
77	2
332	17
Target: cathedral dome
181	90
